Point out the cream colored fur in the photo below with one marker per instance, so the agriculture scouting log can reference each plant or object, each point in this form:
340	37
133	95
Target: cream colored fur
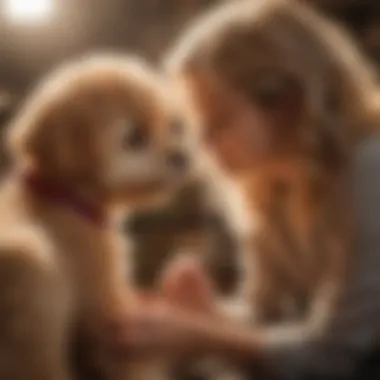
59	272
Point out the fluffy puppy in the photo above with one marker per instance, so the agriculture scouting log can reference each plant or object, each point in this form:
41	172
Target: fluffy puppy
277	98
86	144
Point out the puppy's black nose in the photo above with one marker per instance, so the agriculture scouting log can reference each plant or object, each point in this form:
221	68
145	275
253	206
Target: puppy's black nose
178	160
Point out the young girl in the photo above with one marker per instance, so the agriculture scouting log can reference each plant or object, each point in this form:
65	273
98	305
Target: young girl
279	100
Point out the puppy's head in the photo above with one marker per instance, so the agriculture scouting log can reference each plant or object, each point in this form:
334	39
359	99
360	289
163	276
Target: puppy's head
97	124
272	84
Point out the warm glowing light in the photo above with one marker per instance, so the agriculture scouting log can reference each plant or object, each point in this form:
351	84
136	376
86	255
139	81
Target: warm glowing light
28	11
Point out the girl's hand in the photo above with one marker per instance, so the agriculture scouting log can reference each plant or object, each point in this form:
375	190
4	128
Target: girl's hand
182	319
158	328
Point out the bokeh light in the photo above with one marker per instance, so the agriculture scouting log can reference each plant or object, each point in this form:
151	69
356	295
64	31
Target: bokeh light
28	11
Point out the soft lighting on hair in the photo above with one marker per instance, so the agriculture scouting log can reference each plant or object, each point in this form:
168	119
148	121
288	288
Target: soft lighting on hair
28	11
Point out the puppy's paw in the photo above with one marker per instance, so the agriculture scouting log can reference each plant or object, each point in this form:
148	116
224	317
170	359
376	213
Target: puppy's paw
185	283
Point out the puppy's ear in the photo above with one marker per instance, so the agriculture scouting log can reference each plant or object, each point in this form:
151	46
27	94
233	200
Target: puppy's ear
28	137
50	136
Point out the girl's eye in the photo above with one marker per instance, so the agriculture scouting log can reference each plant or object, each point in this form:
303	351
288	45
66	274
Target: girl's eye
269	92
270	89
135	136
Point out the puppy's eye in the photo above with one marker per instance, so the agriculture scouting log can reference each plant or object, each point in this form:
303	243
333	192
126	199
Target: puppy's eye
135	136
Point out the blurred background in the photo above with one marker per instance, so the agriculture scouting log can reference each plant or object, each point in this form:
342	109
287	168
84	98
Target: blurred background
36	35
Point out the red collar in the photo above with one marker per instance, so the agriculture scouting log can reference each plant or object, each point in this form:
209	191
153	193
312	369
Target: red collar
57	192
